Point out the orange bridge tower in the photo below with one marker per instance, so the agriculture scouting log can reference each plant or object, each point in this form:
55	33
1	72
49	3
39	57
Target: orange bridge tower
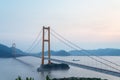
44	36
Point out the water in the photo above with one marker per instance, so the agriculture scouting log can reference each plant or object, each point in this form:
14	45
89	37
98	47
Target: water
26	67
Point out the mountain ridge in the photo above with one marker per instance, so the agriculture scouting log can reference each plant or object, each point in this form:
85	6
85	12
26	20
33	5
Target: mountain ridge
6	52
96	52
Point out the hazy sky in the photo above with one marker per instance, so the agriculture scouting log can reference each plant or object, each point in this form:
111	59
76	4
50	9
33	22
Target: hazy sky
89	23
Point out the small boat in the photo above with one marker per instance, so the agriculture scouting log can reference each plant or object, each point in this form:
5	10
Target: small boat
75	60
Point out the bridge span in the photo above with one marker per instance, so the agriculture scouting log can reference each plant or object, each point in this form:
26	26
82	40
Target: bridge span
46	33
109	72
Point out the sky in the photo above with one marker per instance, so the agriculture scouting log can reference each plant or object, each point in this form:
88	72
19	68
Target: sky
91	24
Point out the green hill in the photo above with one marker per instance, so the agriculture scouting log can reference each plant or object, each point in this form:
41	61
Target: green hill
6	52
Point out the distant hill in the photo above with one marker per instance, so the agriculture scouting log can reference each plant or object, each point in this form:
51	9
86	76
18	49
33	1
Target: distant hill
60	53
6	52
57	53
97	52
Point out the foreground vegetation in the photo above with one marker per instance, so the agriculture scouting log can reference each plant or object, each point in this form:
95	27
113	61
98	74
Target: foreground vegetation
71	78
27	78
75	78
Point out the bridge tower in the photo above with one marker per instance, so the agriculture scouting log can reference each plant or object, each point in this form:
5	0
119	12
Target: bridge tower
14	50
43	43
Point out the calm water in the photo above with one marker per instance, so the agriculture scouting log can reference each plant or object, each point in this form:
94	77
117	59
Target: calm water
26	67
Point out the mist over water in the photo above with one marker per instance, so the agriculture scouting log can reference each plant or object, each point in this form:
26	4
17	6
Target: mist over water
11	68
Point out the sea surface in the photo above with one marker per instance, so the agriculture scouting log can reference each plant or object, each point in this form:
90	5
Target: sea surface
11	68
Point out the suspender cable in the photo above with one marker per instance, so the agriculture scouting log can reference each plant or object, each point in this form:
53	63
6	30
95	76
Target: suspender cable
85	51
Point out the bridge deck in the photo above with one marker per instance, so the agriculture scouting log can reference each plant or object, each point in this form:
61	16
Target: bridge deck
110	72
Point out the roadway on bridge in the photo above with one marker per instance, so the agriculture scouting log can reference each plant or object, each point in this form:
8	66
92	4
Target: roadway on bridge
109	72
105	71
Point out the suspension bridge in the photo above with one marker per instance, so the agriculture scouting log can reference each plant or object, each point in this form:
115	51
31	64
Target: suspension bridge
46	31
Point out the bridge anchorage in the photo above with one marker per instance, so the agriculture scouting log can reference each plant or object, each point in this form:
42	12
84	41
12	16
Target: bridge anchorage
50	65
